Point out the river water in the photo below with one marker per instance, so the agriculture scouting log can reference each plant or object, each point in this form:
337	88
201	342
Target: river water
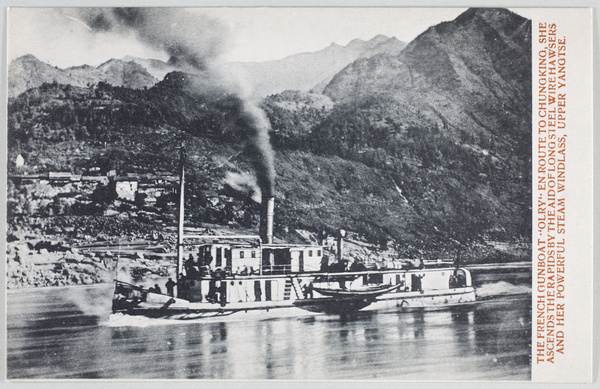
58	333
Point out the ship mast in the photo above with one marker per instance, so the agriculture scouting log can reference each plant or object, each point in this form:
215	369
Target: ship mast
181	215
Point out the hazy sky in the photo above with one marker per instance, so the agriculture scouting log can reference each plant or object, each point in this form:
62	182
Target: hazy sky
251	34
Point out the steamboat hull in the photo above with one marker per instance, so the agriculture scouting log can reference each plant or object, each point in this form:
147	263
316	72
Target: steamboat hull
288	295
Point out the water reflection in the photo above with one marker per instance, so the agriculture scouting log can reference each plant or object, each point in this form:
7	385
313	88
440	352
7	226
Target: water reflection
462	323
418	324
489	341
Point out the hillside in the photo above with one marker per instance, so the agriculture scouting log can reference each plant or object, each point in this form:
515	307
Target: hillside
402	113
156	67
484	56
462	164
293	115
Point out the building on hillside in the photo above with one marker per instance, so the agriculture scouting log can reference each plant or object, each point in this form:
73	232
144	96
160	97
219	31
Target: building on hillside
19	161
126	187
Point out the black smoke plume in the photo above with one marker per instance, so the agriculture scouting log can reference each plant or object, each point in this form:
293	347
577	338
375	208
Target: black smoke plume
194	42
191	40
256	125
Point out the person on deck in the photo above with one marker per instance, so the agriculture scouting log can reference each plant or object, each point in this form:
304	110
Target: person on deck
170	285
324	264
357	266
307	290
257	291
212	291
223	293
190	270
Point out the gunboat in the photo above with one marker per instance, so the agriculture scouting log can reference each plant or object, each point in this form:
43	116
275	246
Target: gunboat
251	275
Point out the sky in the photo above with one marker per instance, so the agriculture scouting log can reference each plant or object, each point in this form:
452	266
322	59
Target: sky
249	34
62	38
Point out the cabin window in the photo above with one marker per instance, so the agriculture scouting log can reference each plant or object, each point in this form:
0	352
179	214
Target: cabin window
310	253
318	253
257	291
219	260
267	290
242	254
253	254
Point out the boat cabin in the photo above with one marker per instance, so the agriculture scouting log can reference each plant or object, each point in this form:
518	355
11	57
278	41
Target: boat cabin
233	258
253	258
277	259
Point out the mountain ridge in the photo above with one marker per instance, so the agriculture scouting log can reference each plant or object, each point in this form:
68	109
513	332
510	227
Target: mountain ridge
28	72
472	60
308	71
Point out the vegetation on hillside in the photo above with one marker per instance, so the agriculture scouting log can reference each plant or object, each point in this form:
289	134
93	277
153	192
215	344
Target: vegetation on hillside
345	167
432	160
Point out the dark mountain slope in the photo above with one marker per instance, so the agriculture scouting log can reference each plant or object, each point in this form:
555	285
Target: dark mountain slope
472	75
449	119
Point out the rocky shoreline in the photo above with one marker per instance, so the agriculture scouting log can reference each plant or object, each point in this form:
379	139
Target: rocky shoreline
55	255
69	250
27	268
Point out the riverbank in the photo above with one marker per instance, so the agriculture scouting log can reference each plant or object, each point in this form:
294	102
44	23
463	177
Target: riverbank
86	250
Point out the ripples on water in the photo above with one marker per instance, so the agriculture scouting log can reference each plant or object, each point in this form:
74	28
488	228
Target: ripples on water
50	336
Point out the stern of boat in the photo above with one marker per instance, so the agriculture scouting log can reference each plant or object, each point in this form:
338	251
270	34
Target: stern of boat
127	296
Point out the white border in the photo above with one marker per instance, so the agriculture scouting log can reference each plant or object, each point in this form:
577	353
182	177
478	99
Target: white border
407	3
575	365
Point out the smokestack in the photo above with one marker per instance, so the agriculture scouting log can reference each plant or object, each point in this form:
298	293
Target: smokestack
267	210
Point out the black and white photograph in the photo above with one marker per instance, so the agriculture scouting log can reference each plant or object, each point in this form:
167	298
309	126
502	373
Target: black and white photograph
256	193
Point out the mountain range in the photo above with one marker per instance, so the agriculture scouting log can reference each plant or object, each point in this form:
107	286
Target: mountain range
305	71
427	146
29	72
310	72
